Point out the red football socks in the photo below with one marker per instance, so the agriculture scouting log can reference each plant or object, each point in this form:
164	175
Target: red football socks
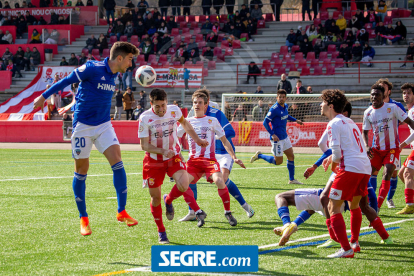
330	230
338	225
225	197
190	200
379	227
356	221
409	195
174	194
385	187
157	214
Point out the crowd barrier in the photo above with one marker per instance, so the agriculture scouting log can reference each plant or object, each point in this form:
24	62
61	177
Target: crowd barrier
70	32
6	80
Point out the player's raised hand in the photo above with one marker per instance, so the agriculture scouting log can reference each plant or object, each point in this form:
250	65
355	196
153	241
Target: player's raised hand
326	163
39	102
275	138
240	163
299	122
369	152
169	153
402	146
309	171
202	143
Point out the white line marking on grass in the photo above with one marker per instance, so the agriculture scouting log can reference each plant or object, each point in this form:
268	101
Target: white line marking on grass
59	177
114	197
274	167
327	235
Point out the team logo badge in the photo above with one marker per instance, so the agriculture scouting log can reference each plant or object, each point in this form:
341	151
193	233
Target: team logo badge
151	181
392	151
177	160
173	113
388	110
150	120
210	121
78	151
335	194
141	128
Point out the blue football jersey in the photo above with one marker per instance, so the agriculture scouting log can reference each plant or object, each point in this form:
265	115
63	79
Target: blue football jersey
94	97
225	124
278	116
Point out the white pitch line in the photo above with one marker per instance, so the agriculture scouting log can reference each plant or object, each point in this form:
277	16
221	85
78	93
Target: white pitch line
148	269
327	235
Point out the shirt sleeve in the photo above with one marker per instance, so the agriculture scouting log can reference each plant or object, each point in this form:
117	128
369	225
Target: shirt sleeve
218	130
180	131
179	113
401	115
143	130
226	125
366	125
323	141
334	142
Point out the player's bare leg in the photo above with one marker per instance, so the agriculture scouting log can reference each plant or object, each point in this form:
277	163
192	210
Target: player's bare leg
79	188
407	176
393	188
225	197
291	166
113	155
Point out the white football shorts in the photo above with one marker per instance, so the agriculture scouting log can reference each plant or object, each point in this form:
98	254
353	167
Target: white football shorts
84	136
280	146
225	161
308	199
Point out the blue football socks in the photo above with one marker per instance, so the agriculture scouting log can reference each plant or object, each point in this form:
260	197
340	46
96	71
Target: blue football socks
268	158
79	188
284	214
291	168
372	196
193	187
120	183
373	182
393	187
302	217
235	192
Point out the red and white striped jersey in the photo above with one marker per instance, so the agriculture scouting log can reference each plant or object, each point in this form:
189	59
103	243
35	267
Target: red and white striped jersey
384	124
344	134
206	128
162	131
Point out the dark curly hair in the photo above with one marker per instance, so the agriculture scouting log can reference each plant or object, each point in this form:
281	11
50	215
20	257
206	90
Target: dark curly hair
157	95
378	86
281	91
408	85
387	82
335	97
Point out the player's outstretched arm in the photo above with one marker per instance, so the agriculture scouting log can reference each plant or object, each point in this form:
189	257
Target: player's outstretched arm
146	146
230	151
188	128
365	138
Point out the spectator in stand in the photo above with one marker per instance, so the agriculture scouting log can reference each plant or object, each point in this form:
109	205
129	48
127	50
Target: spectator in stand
254	71
142	6
129	30
7	55
35	38
217	5
259	111
30	19
118	104
193	56
334	29
306	47
13	68
149	21
239	114
368	55
389	33
207	55
284	84
312	32
380	29
83	59
143	99
54	18
118	29
79	3
73	60
102	43
147	49
372	18
1	36
89	3
207	27
35	59
162	29
345	52
129	102
2	65
26	58
258	90
152	30
187	7
18	59
145	37
186	77
382	10
206	4
63	62
90	57
68	4
257	13
400	33
408	56
212	39
192	45
140	29
328	22
163	5
165	44
6	5
41	21
128	74
299	88
171	24
309	89
363	36
251	29
227	111
176	7
180	55
350	39
216	28
156	46
8	38
356	53
62	20
354	25
300	38
91	43
290	39
109	6
128	5
243	12
53	38
66	126
30	5
137	112
306	8
360	16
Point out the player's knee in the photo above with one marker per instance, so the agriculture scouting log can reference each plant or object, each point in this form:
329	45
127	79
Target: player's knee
407	175
155	201
278	161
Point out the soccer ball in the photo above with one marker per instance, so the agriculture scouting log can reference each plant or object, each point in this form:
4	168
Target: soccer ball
145	75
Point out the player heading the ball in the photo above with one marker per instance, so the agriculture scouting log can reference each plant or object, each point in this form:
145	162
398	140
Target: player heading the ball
92	124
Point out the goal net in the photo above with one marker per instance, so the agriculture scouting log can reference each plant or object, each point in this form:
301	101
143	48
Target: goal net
246	113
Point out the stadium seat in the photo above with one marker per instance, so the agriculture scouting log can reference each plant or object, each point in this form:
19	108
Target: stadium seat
205	72
245	35
289	62
191	18
228	51
302	63
283	50
404	13
97	57
152	59
394	14
305	71
202	44
277	64
85	51
113	39
261	24
211	65
213	18
327	62
202	19
199	37
287	56
123	38
368	26
294	49
105	53
140	58
298	56
348	15
323	55
221	58
330	70
176	63
280	71
217	51
220	37
372	33
171	51
336	14
134	38
163	58
95	52
200	63
204	50
188	63
180	18
310	56
331	48
196	31
185	30
187	39
236	44
334	54
323	15
269	71
165	64
314	63
177	39
194	24
387	20
275	56
175	32
183	25
269	17
339	63
223	18
317	21
265	63
135	43
317	71
224	43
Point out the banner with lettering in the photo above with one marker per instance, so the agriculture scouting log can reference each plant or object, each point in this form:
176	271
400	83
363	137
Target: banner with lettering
174	77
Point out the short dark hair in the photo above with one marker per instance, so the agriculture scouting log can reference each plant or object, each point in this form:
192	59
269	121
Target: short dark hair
335	97
157	95
200	95
387	82
122	48
348	108
281	91
378	86
204	91
407	85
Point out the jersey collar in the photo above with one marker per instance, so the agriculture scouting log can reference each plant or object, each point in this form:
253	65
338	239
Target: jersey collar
379	107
